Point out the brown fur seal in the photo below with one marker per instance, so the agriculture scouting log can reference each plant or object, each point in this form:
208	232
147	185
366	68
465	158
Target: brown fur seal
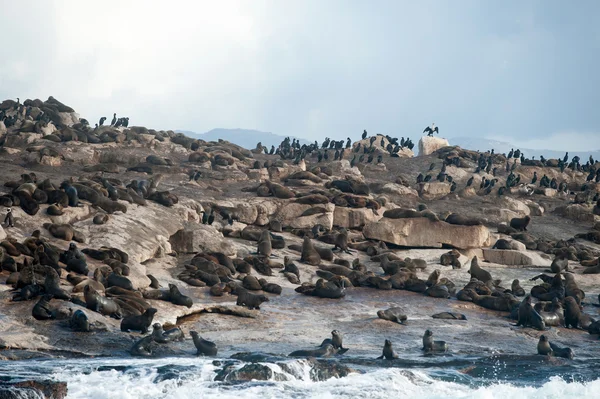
520	224
438	291
142	347
528	316
392	314
290	267
574	317
162	337
506	244
429	345
271	288
251	283
309	254
449	316
336	341
388	351
203	346
42	309
279	191
460	220
451	259
139	323
516	288
55	210
251	301
401	213
100	304
543	346
177	298
324	351
341	241
264	244
79	321
479	273
100	218
559	264
557	351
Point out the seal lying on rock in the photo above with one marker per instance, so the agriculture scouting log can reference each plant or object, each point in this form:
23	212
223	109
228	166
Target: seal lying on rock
324	351
203	346
139	323
528	316
449	316
100	304
79	321
142	347
557	351
394	314
429	345
177	298
388	351
336	341
162	337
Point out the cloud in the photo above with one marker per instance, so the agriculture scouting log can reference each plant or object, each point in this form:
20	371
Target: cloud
311	69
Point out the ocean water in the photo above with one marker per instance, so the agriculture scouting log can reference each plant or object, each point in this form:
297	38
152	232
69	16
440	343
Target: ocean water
184	378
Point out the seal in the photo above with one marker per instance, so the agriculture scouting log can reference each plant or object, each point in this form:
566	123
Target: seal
429	345
557	351
264	244
79	321
52	285
574	317
309	254
476	271
516	288
106	306
552	312
251	283
520	224
251	301
142	347
341	241
177	298
449	316
100	218
139	323
203	346
271	288
42	309
559	264
528	316
388	351
336	341
438	291
506	244
115	279
324	351
153	281
394	314
461	220
162	337
490	301
543	346
290	267
55	210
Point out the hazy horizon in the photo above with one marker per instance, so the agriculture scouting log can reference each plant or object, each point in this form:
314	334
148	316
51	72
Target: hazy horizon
518	71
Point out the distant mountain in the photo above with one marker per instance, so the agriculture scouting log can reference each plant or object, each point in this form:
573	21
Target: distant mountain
482	144
246	138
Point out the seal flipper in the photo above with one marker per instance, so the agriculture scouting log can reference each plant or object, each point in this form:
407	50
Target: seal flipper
380	357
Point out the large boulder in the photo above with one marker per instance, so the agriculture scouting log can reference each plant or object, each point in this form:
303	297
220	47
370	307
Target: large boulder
196	237
516	258
33	389
422	232
351	218
2	232
290	216
433	190
429	145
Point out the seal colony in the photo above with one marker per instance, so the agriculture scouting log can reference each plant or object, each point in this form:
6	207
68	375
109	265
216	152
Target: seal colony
210	227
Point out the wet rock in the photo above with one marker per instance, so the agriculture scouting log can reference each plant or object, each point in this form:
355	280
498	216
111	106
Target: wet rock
33	389
248	372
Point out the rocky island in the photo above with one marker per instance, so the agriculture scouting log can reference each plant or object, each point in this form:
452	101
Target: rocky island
124	242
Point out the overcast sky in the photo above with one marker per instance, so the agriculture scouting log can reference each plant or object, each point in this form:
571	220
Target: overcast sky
520	71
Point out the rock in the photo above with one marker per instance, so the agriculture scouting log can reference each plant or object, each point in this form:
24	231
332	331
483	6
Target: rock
258	174
2	232
422	232
433	190
534	209
33	389
21	140
517	206
353	218
398	189
323	370
200	238
50	161
343	168
289	215
577	212
429	145
547	192
249	372
516	258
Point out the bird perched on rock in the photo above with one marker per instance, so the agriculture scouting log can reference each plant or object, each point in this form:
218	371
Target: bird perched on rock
431	129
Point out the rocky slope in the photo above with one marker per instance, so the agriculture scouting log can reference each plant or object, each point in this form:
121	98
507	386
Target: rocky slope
189	213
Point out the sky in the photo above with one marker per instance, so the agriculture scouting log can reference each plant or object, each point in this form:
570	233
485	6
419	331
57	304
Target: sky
520	71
